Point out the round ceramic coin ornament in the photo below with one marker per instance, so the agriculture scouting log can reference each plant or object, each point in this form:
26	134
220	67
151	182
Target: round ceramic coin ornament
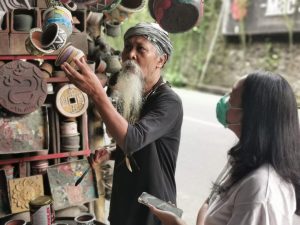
70	101
22	87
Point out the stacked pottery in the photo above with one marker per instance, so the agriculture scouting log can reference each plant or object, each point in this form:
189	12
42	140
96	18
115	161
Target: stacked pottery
39	167
67	54
70	137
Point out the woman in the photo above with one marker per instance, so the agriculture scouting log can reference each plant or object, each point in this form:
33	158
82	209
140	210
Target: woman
261	184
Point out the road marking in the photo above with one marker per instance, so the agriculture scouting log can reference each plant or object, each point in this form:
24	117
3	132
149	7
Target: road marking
191	119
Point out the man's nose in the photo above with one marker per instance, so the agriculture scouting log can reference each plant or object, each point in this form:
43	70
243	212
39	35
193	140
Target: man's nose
132	54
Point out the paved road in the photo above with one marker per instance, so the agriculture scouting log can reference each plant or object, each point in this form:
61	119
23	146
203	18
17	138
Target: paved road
203	149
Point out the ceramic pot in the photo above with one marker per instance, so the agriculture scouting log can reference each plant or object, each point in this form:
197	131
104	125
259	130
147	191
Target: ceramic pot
33	43
23	22
67	54
53	37
113	64
177	16
85	219
112	28
131	6
47	67
59	15
15	222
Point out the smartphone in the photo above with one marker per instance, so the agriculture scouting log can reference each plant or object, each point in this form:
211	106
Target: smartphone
148	199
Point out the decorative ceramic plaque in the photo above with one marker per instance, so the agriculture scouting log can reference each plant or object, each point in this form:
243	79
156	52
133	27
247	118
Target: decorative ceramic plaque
23	190
22	87
70	101
62	178
27	133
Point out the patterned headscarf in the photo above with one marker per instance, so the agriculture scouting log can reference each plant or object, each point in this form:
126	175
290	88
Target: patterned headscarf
154	33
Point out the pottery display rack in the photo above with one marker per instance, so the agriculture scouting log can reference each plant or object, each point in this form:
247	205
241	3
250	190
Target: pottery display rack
12	47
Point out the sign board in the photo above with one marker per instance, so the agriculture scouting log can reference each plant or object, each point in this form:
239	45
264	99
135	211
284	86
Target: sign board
261	16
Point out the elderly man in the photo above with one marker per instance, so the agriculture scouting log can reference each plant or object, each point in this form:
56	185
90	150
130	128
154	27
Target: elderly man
147	130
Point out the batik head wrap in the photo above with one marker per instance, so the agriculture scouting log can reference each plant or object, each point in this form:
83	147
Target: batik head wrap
154	33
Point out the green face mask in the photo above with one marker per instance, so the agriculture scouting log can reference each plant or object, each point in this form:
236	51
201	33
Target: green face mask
222	108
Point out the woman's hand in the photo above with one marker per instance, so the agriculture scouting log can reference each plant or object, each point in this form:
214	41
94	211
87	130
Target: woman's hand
167	218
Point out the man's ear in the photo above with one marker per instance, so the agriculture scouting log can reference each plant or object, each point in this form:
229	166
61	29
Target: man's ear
162	60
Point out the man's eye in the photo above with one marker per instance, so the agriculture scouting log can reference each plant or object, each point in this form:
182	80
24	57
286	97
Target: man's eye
141	49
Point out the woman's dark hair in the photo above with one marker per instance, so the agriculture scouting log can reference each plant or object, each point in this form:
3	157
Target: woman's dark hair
270	130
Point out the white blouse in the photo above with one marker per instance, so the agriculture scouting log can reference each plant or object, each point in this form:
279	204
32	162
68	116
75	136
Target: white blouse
262	198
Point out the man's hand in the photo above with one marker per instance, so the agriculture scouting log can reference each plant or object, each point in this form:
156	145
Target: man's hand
100	156
167	218
85	79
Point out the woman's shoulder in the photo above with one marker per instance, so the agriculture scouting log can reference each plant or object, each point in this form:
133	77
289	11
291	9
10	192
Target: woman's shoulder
264	185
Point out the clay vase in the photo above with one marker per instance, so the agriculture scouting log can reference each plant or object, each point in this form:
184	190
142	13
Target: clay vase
177	16
53	37
67	54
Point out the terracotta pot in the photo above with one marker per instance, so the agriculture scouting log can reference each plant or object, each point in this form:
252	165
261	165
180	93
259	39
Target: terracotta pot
177	16
47	67
33	43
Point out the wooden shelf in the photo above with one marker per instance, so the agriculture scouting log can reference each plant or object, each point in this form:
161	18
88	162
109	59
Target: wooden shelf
30	57
57	80
44	157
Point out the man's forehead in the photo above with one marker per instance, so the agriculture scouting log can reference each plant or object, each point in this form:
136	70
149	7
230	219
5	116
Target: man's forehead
142	39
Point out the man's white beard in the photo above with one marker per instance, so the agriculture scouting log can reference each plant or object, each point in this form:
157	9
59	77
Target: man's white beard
128	91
